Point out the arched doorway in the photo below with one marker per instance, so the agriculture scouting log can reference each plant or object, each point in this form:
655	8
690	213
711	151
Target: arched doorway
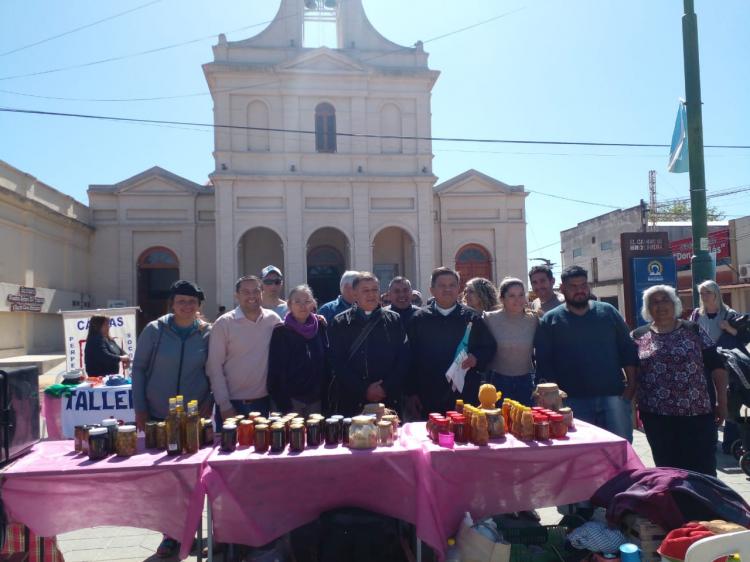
158	268
473	261
257	248
327	253
393	255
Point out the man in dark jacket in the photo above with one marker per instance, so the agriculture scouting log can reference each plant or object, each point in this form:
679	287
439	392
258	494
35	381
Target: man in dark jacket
435	332
369	351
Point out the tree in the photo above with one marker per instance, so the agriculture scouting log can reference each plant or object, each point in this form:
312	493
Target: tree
679	210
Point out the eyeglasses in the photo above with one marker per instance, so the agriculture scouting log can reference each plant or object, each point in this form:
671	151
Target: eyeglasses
272	281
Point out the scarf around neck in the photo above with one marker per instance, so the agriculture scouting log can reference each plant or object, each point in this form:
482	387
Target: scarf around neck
307	330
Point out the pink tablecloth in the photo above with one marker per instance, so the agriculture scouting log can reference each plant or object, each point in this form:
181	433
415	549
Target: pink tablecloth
256	498
53	490
511	475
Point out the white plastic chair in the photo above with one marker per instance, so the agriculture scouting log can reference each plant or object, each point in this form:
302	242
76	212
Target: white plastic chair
711	548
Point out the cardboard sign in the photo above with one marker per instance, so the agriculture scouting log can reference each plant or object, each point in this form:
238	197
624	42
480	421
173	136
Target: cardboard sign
92	405
76	325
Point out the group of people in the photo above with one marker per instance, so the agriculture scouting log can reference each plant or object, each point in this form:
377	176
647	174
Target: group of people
292	355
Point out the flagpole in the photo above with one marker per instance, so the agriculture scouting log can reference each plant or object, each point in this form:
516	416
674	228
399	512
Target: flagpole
702	266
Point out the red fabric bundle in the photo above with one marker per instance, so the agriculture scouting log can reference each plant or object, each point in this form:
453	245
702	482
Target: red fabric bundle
677	541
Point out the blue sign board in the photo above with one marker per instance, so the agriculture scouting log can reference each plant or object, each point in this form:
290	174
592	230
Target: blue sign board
647	272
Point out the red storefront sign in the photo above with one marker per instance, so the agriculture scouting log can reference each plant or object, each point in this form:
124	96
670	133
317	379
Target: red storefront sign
718	243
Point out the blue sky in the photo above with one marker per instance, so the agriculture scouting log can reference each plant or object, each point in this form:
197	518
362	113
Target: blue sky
570	70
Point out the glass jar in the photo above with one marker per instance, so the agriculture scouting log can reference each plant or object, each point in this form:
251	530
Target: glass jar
278	437
262	438
245	433
229	437
161	436
480	429
207	428
98	443
385	434
495	425
313	432
151	435
393	418
527	425
541	428
297	438
125	442
460	406
78	436
459	429
346	423
111	425
333	432
363	434
558	429
567	414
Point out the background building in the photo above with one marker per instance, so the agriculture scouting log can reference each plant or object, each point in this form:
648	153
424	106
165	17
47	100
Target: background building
323	162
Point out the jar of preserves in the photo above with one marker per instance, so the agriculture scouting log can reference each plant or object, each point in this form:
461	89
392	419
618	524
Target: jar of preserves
385	433
111	425
480	430
541	428
393	418
495	424
458	428
125	442
363	434
207	428
313	432
98	442
346	423
333	432
527	425
297	438
245	433
567	414
262	438
229	437
161	436
78	436
278	437
558	429
151	435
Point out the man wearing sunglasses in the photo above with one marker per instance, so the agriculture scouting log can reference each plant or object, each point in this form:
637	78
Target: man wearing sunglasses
273	284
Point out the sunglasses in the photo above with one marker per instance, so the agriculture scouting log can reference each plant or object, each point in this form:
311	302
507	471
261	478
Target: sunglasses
272	281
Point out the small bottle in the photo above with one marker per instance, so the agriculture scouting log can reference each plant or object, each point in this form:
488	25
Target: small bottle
182	421
460	406
193	428
174	434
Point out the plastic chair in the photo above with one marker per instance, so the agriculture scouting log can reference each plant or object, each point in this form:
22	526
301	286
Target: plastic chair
711	548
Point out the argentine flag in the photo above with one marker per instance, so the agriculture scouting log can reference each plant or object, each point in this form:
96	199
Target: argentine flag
678	153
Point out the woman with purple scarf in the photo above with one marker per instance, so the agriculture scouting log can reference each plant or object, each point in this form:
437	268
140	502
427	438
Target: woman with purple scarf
297	363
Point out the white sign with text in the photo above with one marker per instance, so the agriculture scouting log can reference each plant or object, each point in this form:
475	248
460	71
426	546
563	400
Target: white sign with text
92	405
76	325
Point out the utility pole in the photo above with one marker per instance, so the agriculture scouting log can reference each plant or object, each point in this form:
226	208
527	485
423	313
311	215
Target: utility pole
652	197
701	265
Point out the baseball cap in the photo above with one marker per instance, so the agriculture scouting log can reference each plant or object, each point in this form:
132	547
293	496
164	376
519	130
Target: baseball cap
270	269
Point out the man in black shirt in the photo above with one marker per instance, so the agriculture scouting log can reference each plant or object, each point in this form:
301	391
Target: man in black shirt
435	332
400	294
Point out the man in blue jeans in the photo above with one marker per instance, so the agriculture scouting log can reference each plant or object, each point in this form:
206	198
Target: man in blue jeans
585	347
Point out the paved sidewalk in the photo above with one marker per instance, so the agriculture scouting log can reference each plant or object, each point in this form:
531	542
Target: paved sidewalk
126	544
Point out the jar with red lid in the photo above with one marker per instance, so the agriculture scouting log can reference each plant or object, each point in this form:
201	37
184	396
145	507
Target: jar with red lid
430	422
459	429
558	429
541	428
435	429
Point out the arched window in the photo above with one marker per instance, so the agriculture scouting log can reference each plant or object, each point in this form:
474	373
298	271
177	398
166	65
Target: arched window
257	118
325	128
390	126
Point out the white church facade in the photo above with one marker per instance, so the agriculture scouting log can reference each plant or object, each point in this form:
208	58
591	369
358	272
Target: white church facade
323	162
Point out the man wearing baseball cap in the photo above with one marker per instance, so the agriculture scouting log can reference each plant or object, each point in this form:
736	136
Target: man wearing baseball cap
273	285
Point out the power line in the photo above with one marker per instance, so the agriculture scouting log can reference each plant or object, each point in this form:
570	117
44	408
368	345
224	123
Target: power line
131	55
573	200
86	26
340	134
228	90
542	247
